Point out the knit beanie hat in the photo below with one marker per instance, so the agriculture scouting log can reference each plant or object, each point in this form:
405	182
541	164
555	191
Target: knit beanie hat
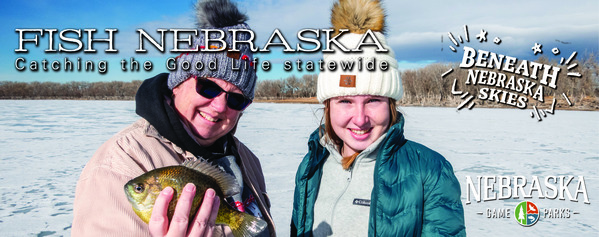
220	15
359	16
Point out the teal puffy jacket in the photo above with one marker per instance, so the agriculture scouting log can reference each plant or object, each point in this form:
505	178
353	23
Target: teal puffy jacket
415	190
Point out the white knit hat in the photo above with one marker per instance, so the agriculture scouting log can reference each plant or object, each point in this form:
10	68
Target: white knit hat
359	82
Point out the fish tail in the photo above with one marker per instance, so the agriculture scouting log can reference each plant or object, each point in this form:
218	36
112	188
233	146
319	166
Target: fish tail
249	226
241	223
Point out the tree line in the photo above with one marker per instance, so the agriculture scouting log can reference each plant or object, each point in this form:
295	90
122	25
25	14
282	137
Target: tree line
115	90
426	87
291	87
288	88
423	86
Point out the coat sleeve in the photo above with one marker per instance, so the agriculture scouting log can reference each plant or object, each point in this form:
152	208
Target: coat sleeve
443	213
101	207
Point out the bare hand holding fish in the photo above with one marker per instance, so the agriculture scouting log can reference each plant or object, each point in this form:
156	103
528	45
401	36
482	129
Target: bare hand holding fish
203	224
150	191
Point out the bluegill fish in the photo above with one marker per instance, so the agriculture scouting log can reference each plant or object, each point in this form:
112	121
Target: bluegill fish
143	191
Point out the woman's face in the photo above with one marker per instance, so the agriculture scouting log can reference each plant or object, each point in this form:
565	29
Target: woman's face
208	119
359	120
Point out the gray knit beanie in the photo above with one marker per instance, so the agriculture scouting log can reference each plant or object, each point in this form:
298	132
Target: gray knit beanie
221	15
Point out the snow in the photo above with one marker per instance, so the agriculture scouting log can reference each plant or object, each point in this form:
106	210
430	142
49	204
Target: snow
45	144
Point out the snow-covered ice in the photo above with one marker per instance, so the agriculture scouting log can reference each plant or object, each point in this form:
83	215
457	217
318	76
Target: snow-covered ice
45	144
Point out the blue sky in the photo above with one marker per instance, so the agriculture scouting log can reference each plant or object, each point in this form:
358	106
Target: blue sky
416	30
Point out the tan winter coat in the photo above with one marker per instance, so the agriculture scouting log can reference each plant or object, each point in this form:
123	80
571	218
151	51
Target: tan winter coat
101	207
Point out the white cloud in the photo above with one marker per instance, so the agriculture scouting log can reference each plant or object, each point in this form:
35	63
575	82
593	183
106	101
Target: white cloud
129	39
414	29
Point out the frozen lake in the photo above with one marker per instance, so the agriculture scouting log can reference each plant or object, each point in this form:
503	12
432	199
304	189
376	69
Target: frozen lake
45	144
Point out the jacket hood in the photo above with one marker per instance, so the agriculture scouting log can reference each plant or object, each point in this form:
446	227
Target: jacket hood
395	137
150	103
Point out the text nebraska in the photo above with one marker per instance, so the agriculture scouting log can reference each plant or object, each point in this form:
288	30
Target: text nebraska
216	37
514	187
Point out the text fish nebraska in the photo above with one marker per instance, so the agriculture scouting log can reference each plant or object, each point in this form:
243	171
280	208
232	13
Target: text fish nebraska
75	39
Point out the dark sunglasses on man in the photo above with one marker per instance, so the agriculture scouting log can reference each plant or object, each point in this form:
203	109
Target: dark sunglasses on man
209	90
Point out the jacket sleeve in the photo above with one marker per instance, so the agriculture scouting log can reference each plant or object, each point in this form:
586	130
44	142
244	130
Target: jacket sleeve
443	214
101	207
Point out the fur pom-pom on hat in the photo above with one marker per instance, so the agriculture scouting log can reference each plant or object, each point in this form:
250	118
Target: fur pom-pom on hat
359	17
218	14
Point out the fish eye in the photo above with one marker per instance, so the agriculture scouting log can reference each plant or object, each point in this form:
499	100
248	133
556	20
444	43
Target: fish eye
139	188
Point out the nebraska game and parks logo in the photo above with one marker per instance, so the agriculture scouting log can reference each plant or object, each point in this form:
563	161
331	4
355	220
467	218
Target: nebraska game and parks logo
526	213
494	188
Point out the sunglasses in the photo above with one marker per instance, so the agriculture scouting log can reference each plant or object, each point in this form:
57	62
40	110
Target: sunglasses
209	90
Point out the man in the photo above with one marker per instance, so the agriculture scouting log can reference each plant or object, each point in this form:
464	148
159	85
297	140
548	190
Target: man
186	115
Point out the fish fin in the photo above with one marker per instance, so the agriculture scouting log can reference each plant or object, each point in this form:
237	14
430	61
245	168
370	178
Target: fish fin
227	183
250	226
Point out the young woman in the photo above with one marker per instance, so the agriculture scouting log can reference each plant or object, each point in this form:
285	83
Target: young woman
361	176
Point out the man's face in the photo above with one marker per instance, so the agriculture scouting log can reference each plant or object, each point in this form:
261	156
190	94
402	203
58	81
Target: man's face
208	119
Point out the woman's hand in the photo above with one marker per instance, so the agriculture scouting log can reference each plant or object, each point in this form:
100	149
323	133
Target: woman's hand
203	223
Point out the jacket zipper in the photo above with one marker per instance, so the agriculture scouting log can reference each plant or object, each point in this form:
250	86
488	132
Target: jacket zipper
341	195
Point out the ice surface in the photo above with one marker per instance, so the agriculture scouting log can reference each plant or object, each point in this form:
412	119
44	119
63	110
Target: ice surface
45	144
